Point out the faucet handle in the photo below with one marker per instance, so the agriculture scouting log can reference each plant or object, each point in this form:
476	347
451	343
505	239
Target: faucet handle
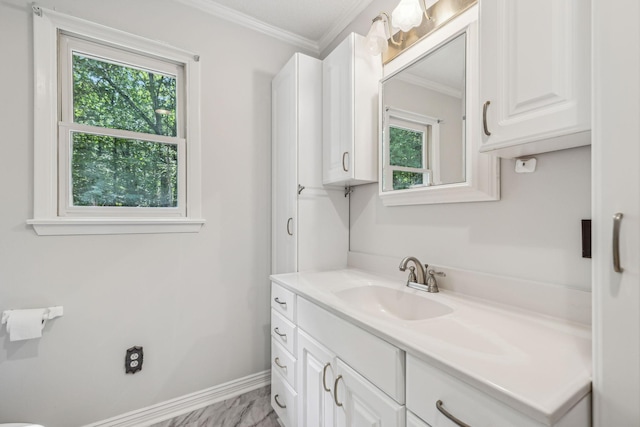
412	275
437	273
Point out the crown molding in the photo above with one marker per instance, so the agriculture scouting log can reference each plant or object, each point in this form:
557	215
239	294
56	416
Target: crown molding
428	84
247	21
347	17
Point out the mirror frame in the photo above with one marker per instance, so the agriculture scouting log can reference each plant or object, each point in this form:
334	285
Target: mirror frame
482	171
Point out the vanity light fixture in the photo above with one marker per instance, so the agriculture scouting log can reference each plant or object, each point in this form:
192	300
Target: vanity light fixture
379	33
408	14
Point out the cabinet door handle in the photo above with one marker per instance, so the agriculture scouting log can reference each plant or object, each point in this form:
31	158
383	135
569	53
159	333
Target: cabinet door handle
617	218
277	331
324	378
289	232
335	391
448	415
284	303
277	362
345	167
278	402
484	118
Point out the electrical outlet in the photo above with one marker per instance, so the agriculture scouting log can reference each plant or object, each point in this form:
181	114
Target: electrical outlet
133	360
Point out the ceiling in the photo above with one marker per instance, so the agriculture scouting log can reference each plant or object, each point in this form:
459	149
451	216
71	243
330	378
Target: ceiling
309	24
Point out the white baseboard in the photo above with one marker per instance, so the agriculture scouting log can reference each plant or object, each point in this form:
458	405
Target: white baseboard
187	403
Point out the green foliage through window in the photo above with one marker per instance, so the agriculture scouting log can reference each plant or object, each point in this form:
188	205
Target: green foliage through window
405	147
109	171
122	172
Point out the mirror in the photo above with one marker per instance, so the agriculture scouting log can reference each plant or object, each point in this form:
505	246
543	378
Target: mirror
429	135
424	120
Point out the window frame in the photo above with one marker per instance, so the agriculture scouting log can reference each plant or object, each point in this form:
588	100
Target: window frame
51	186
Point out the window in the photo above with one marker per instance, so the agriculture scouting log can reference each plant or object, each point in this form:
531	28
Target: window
116	131
410	150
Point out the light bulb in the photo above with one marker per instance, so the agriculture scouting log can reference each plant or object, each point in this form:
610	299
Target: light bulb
407	14
377	38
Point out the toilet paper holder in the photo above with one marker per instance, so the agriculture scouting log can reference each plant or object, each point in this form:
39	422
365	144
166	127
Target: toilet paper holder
49	313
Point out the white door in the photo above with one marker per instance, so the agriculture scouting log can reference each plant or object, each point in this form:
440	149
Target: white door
361	404
616	188
337	98
316	366
284	169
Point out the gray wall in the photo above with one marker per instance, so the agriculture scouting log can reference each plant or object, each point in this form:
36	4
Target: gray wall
198	303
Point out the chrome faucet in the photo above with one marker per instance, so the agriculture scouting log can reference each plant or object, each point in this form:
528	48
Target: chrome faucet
421	278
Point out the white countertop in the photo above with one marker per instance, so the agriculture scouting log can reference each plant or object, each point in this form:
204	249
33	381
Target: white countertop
538	365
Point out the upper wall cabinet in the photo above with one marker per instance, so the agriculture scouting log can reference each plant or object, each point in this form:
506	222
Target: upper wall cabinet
534	75
350	77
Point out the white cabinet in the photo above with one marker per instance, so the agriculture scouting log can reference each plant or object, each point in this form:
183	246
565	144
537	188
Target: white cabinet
316	379
432	393
534	75
309	222
283	354
360	404
350	77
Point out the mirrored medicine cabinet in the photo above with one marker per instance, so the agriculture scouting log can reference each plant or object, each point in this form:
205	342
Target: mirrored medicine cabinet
429	129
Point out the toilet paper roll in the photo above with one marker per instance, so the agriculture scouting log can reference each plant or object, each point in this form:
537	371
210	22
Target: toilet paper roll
25	324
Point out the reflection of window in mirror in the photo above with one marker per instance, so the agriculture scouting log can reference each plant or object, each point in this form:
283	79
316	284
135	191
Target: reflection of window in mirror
410	158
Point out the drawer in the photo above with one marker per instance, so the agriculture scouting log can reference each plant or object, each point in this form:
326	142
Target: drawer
283	400
283	332
427	385
283	362
283	301
378	361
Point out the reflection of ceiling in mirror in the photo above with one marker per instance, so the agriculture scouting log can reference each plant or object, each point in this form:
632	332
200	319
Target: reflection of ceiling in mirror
442	70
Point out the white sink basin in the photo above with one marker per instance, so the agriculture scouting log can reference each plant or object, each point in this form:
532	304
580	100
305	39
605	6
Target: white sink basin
378	300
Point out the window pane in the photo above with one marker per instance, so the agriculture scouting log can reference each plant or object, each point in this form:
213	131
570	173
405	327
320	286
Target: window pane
405	147
402	180
118	97
108	171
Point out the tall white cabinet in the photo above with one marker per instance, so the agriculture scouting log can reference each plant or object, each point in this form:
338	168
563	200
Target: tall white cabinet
350	109
534	75
309	222
616	179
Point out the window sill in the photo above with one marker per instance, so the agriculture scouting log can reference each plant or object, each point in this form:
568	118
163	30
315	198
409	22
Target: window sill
93	226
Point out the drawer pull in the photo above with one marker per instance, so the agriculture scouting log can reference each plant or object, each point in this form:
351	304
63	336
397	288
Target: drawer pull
324	378
277	362
335	391
448	415
278	402
284	303
277	331
617	218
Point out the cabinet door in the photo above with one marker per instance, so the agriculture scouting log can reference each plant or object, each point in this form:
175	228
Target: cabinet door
616	177
316	366
284	161
363	404
534	75
338	113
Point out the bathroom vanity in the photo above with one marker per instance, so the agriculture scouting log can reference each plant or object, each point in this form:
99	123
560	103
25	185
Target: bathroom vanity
350	348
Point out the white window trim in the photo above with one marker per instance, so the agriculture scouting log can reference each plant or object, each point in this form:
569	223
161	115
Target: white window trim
46	221
417	122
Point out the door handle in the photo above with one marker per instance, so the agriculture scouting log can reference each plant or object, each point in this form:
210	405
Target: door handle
335	391
324	378
484	118
289	232
617	219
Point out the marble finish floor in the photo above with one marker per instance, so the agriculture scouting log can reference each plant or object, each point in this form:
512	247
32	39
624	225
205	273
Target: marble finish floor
251	409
